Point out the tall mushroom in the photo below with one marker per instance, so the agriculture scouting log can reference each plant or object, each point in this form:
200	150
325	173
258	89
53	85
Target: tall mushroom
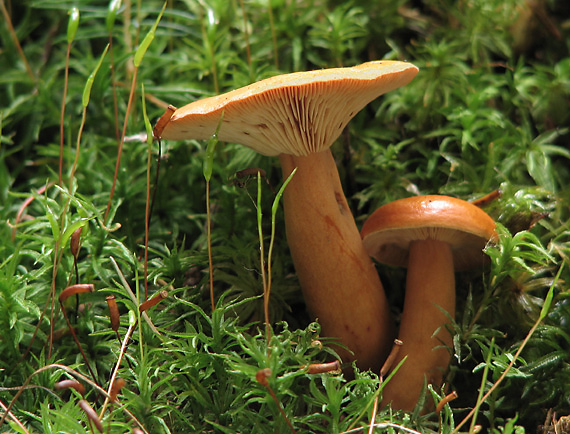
433	236
298	116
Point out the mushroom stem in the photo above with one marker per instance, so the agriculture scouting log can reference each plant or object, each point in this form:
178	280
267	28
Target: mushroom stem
427	355
339	281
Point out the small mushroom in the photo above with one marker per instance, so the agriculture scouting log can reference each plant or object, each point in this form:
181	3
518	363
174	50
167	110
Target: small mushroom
433	236
298	116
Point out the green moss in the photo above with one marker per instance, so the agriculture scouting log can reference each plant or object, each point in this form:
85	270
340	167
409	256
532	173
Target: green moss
488	110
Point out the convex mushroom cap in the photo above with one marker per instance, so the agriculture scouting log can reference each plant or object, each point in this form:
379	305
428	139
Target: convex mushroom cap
388	232
298	113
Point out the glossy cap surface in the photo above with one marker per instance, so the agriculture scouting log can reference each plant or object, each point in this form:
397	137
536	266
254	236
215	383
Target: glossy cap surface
388	232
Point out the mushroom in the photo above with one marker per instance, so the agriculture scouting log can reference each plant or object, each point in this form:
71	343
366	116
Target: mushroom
433	236
298	116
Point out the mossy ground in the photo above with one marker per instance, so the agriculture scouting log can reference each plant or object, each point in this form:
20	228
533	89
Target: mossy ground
488	111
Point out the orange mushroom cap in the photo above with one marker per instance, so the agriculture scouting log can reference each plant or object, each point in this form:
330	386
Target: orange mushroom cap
388	231
298	114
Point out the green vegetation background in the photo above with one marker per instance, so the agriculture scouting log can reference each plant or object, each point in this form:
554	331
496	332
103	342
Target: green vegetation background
488	110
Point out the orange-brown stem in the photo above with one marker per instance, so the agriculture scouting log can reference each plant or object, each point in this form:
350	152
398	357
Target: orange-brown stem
339	281
430	291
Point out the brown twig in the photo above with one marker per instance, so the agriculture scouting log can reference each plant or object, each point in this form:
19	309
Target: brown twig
445	400
321	368
7	412
112	385
391	358
153	301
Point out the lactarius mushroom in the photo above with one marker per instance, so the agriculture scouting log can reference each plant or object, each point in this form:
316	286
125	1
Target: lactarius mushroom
433	236
297	117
